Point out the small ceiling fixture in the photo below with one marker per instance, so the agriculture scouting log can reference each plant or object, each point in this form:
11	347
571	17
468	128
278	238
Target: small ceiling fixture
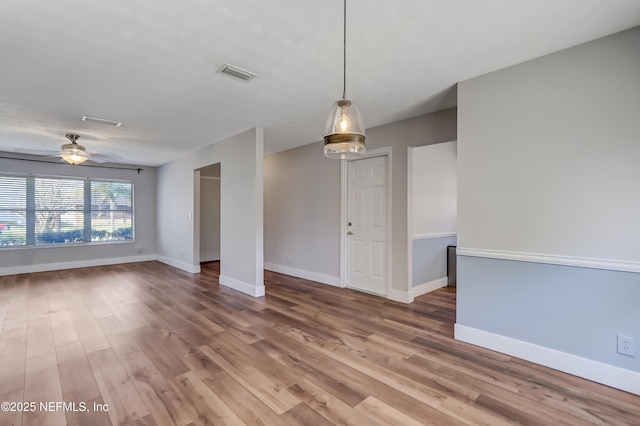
236	72
73	153
102	120
344	131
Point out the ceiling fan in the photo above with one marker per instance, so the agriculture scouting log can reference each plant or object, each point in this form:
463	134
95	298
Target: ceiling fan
73	153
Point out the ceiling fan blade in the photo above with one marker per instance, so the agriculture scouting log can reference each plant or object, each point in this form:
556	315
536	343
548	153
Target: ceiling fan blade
43	152
106	156
98	160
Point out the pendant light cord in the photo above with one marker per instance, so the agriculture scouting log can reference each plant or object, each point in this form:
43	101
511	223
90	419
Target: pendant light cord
344	53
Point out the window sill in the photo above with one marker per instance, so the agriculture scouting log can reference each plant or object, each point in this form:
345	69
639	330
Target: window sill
50	246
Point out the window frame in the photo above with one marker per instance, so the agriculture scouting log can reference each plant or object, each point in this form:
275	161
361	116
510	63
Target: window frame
30	209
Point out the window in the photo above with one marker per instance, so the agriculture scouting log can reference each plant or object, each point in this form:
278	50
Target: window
111	211
13	211
59	211
40	211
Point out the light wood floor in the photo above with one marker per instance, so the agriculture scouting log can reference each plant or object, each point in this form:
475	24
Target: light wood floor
163	347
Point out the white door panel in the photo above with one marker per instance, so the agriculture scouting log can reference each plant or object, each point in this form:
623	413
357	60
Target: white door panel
366	213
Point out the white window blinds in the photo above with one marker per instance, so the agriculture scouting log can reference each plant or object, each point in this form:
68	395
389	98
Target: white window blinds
49	210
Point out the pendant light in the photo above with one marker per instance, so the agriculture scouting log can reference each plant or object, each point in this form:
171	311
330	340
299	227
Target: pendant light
344	131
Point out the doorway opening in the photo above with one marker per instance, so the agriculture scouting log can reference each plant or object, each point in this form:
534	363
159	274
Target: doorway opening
209	214
432	216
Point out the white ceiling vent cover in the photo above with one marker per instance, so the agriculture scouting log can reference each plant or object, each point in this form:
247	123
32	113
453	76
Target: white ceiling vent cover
101	120
236	72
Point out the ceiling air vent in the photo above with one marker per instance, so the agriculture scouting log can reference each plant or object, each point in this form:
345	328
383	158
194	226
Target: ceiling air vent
101	121
237	73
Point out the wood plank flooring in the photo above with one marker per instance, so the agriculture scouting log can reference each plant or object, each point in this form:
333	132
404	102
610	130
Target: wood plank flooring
158	346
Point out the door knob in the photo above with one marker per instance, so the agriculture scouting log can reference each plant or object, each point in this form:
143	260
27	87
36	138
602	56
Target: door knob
349	233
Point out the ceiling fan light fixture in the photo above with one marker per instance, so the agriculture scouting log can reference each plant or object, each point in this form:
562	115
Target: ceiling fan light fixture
73	153
74	156
344	131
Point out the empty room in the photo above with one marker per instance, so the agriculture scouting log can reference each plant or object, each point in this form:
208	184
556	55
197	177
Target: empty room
309	213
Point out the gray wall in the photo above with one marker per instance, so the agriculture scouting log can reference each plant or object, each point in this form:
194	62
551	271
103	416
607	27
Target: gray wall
302	210
241	238
144	218
302	198
209	218
548	171
550	154
434	189
573	310
430	259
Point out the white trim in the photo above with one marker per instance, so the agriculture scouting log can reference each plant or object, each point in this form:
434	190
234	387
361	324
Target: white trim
44	267
194	269
378	152
59	163
409	240
389	240
246	288
433	236
195	217
210	177
344	200
425	288
596	371
301	273
259	210
400	296
610	265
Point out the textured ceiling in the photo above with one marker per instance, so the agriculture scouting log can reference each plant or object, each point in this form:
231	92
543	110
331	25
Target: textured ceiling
151	64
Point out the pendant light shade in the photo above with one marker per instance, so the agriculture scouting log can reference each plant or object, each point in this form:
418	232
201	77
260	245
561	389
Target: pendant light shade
344	132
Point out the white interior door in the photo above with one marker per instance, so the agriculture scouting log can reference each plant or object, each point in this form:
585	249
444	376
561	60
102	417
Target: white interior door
366	226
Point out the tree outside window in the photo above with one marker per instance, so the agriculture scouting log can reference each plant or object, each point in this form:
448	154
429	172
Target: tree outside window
49	210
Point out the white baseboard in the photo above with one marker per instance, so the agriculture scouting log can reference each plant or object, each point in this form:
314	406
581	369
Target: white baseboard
194	269
596	371
425	288
44	267
251	290
395	295
400	296
301	273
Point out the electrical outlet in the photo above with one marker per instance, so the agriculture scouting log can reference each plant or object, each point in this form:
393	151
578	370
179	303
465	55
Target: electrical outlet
626	345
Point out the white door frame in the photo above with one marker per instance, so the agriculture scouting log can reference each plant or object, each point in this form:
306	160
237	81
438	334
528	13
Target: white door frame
344	191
